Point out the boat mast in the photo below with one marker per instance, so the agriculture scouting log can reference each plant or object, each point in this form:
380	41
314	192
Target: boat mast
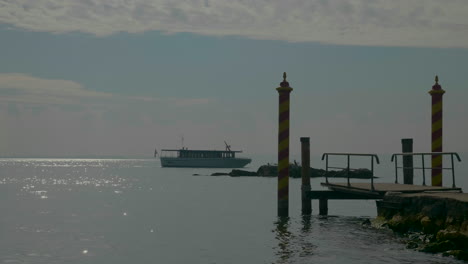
228	147
230	154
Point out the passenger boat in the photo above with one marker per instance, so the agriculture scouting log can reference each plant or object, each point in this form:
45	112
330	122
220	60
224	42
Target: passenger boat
185	157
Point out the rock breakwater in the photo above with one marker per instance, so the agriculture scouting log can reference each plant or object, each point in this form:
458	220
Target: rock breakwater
430	222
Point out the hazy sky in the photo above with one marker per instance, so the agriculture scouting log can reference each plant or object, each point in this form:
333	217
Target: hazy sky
122	77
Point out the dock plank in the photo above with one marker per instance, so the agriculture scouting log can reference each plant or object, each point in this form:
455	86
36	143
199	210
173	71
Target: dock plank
338	195
383	188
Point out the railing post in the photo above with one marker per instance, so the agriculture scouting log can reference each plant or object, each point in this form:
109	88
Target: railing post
408	171
396	169
423	170
283	147
347	172
305	156
326	169
372	170
453	171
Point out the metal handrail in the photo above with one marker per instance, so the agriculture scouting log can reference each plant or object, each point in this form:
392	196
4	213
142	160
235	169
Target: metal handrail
423	168
348	155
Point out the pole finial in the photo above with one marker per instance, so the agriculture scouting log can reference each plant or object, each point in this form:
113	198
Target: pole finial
436	88
284	83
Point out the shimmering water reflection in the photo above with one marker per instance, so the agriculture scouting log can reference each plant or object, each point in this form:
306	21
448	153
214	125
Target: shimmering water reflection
133	211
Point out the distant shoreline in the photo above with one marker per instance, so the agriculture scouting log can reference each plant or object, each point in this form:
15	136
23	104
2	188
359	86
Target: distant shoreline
78	157
295	171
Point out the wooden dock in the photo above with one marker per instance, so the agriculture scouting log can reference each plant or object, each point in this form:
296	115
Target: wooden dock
364	191
371	190
380	189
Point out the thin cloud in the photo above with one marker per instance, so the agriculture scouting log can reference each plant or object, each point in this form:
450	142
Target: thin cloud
175	101
23	88
425	23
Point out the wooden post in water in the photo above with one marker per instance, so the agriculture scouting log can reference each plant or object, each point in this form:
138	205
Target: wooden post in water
436	93
305	163
323	206
283	148
408	171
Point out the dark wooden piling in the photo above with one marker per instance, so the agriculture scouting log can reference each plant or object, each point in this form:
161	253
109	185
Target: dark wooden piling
408	171
323	206
305	156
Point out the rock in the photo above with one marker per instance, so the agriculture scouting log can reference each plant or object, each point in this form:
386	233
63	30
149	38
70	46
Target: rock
416	239
295	171
366	222
431	225
464	227
237	173
398	224
416	236
379	222
437	247
427	225
459	239
458	254
427	238
268	170
412	245
220	174
442	221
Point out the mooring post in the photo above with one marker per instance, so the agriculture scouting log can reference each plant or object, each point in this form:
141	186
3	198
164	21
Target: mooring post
305	156
323	206
436	93
283	147
408	171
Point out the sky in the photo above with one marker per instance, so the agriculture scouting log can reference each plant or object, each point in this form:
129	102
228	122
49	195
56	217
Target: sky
100	78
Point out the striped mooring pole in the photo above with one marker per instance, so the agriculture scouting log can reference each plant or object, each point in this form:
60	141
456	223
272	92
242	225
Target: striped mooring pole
283	148
436	93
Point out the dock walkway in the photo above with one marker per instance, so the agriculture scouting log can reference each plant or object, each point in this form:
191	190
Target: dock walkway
364	191
380	189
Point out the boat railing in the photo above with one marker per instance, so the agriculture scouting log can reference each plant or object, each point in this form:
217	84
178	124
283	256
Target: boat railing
348	168
198	154
168	154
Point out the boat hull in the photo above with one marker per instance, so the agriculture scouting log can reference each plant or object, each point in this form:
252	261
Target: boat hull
204	162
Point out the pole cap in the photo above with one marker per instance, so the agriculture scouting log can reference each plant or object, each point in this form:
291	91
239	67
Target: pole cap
436	88
284	85
407	141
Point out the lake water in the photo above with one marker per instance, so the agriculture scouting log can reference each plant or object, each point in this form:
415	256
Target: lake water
134	211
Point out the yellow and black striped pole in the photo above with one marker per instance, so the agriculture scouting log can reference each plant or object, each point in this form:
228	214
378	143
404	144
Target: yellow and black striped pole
283	148
436	93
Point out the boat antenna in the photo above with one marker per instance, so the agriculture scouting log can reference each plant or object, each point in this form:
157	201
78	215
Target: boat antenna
182	139
228	147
